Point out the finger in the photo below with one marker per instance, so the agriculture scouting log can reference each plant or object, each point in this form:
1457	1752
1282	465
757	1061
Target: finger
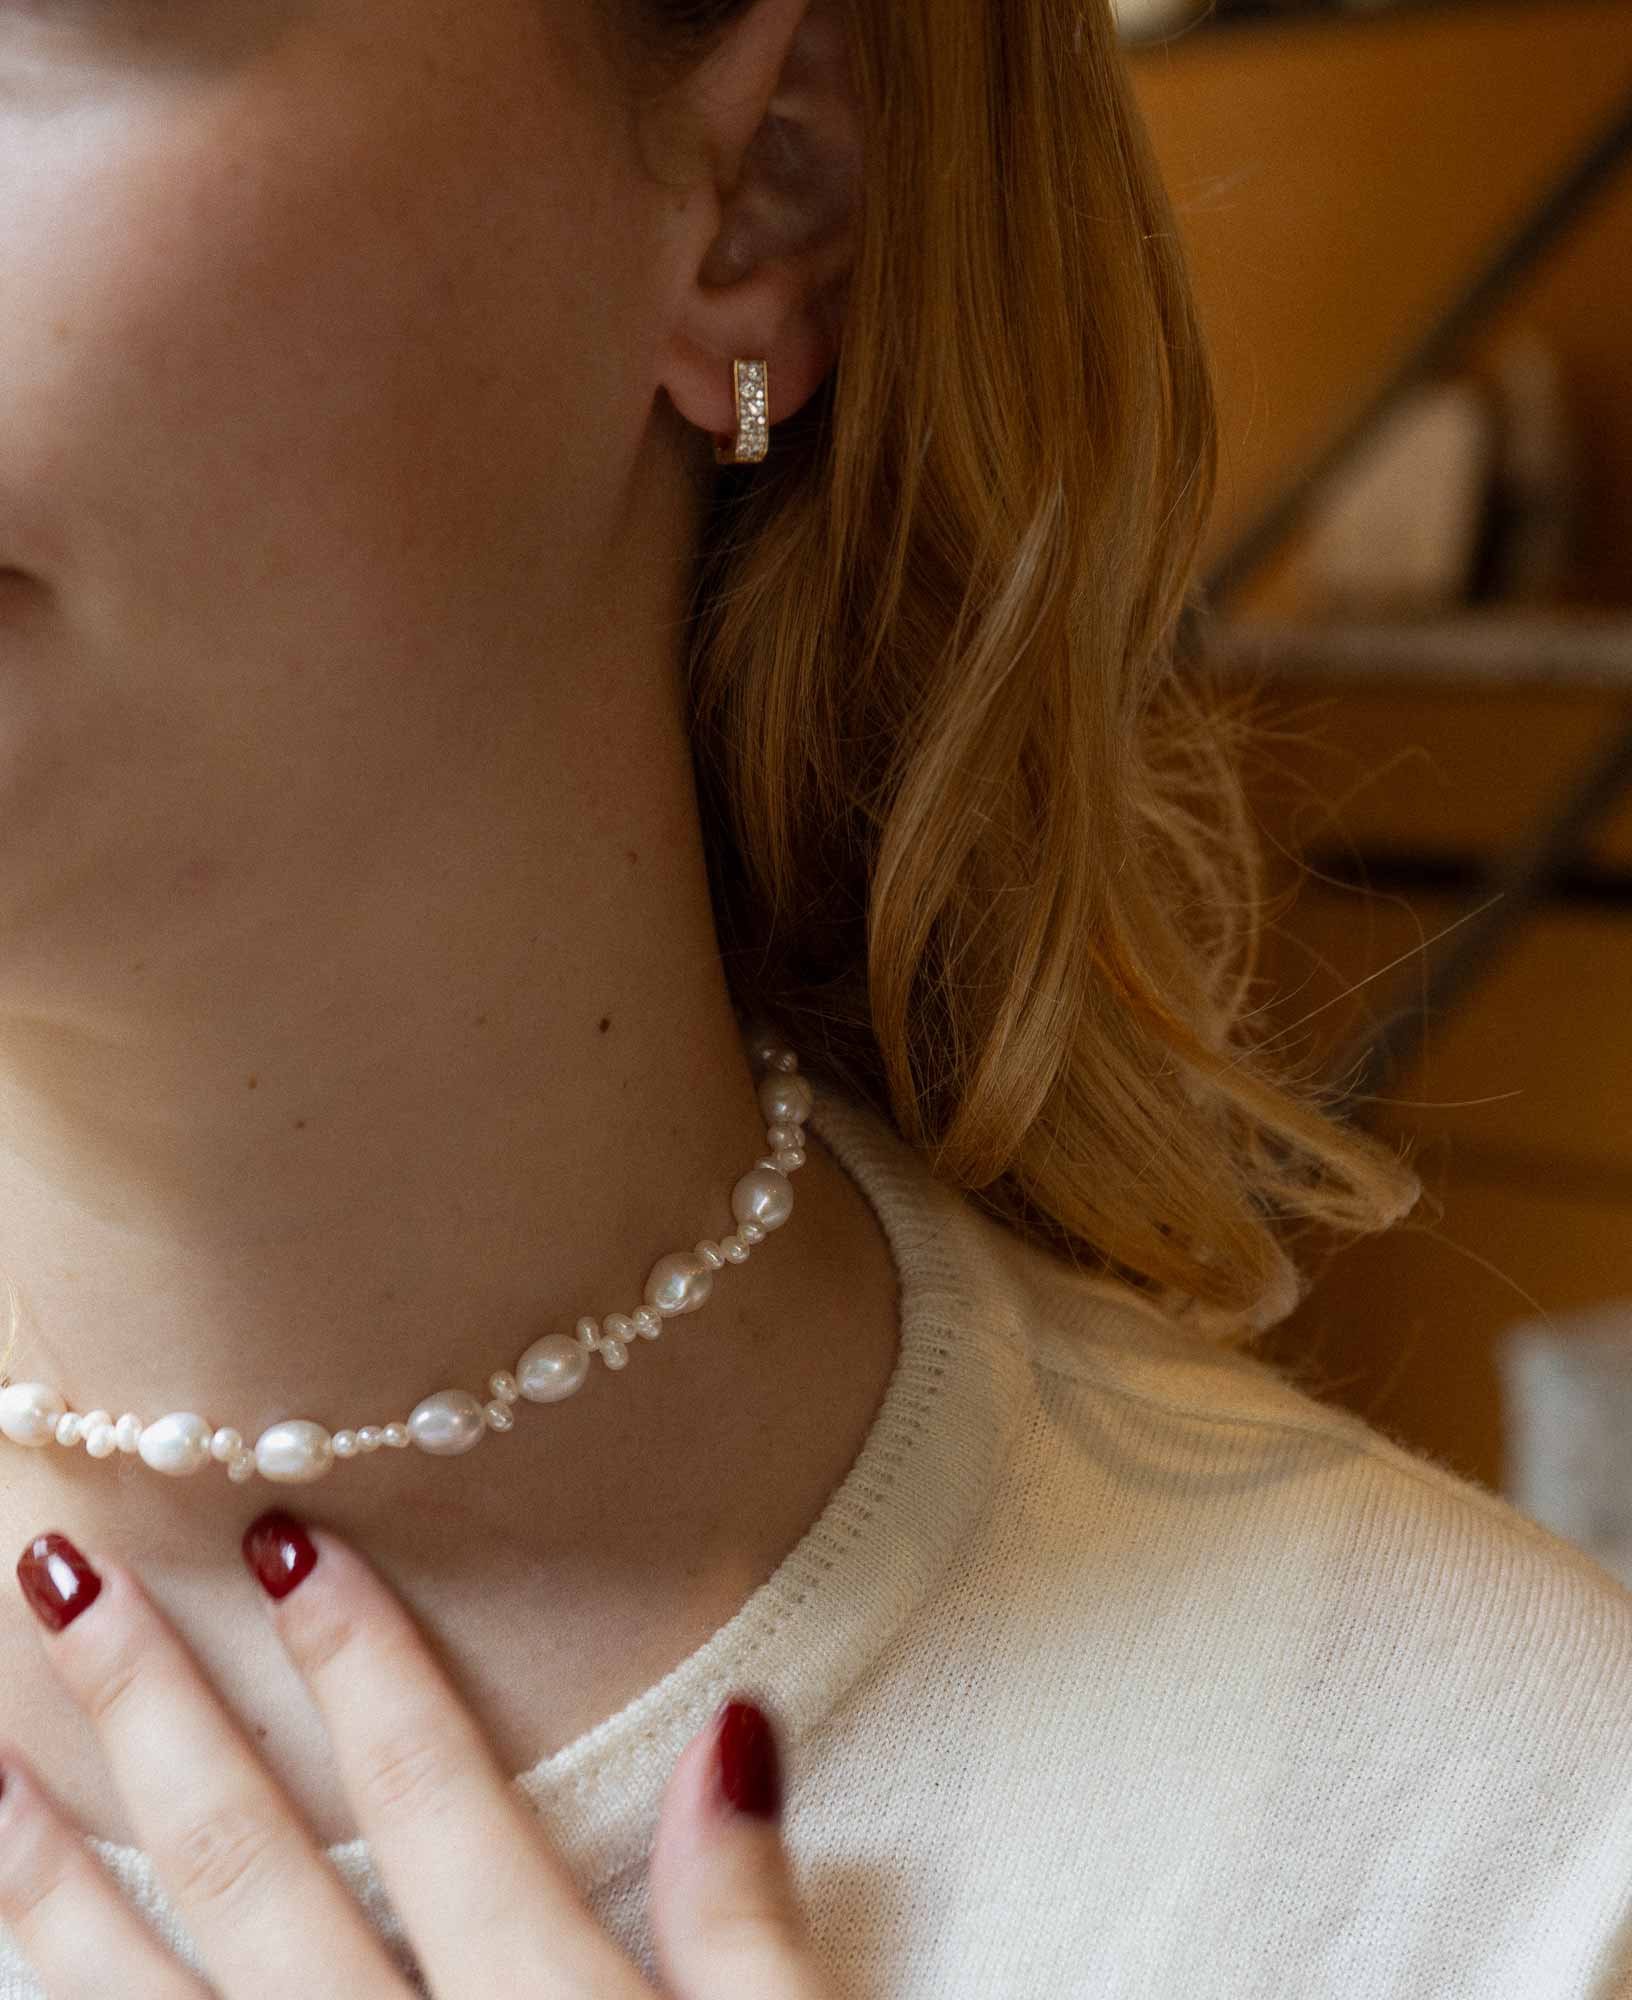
265	1909
488	1905
73	1923
725	1916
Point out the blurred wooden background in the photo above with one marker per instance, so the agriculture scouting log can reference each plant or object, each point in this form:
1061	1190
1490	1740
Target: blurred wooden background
1337	182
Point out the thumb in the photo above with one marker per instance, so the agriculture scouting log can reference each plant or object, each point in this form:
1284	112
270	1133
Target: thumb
725	1918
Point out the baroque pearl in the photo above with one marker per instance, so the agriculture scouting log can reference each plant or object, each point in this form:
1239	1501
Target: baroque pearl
679	1283
293	1452
177	1444
30	1412
784	1100
763	1196
451	1421
552	1368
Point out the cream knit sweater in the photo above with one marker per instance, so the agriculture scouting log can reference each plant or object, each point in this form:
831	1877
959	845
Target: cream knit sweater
1119	1667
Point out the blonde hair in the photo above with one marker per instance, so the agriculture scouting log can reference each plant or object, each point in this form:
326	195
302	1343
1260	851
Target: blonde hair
978	844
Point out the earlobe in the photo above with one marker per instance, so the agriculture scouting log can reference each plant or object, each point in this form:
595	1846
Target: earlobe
779	332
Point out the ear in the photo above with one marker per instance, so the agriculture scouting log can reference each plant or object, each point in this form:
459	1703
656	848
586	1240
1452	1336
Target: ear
764	224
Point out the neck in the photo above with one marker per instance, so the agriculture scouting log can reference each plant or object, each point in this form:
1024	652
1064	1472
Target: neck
374	1149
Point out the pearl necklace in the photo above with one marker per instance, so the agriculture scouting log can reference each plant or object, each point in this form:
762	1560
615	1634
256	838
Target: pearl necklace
452	1420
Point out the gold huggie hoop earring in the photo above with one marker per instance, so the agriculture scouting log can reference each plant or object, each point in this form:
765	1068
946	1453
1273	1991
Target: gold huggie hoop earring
753	437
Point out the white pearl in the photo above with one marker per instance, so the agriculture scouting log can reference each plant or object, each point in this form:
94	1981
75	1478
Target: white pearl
226	1444
613	1351
293	1452
785	1100
68	1427
789	1159
99	1441
552	1368
127	1433
762	1196
620	1326
93	1417
679	1283
396	1436
498	1415
503	1385
370	1438
241	1468
736	1251
648	1324
587	1331
345	1444
177	1444
450	1421
30	1412
711	1253
751	1232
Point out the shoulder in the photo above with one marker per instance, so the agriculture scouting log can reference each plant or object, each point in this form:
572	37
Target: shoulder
1224	1649
1329	1483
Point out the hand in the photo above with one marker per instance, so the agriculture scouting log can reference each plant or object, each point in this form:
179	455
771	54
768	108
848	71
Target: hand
489	1907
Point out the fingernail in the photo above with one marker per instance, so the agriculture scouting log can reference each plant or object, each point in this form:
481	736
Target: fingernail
746	1760
278	1550
56	1579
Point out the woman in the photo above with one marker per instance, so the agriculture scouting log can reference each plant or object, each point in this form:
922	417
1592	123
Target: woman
589	732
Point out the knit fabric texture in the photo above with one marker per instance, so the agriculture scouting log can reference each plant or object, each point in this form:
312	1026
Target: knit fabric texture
1119	1666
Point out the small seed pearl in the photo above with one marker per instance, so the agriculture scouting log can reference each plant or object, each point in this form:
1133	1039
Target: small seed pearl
451	1421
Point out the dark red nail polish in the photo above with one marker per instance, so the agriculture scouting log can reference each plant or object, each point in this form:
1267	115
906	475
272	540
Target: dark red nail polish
746	1760
279	1551
57	1580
